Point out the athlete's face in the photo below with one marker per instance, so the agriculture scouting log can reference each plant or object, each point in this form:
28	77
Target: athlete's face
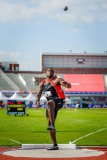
50	73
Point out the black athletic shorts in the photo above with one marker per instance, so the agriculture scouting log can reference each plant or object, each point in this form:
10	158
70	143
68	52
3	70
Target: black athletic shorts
58	105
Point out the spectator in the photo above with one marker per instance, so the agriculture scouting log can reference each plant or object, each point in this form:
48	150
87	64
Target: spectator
77	105
2	104
89	105
30	104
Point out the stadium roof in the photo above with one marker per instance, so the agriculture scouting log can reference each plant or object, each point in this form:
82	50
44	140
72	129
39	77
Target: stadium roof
78	54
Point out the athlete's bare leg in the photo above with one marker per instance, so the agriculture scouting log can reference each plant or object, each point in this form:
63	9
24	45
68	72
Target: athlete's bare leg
50	108
51	120
52	134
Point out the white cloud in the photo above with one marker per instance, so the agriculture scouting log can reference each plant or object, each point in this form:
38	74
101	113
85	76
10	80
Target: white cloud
9	56
79	10
14	11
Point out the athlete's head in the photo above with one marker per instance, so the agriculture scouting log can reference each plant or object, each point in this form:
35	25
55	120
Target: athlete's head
50	72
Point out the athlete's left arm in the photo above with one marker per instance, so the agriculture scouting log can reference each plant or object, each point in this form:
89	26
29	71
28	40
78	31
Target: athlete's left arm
64	83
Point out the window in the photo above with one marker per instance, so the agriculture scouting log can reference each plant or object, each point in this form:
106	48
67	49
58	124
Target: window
80	61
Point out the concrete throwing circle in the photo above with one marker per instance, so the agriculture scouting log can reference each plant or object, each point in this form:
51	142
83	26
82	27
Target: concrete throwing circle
61	153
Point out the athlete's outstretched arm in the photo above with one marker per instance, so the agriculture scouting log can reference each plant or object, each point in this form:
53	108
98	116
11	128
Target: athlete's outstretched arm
64	83
39	92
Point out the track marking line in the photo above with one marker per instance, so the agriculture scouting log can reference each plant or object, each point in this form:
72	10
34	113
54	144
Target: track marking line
15	141
11	140
88	135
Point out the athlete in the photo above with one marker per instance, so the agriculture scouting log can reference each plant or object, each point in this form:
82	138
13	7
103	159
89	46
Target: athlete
51	88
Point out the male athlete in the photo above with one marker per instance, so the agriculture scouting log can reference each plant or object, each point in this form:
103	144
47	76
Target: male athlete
51	87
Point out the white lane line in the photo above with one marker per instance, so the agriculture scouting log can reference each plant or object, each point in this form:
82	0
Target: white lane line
88	135
15	141
11	140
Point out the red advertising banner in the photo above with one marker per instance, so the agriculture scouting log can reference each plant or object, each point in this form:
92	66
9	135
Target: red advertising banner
85	82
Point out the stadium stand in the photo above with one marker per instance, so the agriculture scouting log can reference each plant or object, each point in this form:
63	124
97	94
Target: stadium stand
87	72
15	78
6	83
29	79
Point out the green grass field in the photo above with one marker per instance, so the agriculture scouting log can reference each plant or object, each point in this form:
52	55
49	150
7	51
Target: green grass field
83	124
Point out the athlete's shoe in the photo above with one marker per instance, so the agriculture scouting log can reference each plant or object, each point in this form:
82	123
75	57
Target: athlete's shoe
51	128
53	148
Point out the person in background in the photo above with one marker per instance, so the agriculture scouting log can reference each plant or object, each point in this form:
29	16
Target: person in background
77	105
89	105
30	104
2	104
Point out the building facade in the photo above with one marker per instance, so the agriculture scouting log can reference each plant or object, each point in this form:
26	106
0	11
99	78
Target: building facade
75	63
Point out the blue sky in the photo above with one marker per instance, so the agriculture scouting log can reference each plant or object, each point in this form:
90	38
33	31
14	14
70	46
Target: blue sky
28	27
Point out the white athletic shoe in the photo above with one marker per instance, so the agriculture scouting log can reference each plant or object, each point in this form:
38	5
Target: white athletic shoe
53	148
